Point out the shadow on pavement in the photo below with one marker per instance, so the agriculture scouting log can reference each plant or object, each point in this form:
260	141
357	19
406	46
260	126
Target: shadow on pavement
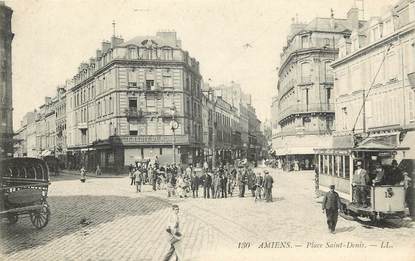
345	229
72	214
388	223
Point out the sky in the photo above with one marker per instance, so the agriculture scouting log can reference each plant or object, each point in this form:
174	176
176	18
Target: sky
53	37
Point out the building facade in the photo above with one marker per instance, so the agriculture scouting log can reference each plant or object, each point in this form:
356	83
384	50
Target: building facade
374	87
120	105
6	102
304	106
119	109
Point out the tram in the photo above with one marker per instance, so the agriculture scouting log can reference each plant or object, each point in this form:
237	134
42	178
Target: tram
336	167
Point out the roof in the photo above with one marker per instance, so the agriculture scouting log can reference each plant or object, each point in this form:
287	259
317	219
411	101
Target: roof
153	40
324	24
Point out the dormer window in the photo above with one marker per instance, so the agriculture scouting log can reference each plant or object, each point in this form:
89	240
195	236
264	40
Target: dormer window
305	43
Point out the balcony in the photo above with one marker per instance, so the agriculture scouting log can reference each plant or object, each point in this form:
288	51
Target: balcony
134	113
82	126
328	79
411	78
166	113
305	80
298	109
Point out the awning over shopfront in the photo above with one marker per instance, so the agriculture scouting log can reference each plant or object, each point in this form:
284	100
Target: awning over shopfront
46	153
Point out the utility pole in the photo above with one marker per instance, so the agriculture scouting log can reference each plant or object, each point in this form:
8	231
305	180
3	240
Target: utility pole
174	126
364	111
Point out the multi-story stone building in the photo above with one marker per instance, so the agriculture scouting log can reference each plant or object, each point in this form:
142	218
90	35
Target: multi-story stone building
304	103
377	62
121	103
6	101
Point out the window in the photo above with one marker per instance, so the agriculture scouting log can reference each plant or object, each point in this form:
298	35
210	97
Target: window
132	103
411	100
167	81
99	109
304	41
392	66
149	84
347	167
132	53
133	132
111	110
305	73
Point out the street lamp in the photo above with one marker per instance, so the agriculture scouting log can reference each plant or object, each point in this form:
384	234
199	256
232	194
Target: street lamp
174	125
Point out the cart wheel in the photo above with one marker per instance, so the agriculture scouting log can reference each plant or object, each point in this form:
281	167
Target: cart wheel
40	218
12	218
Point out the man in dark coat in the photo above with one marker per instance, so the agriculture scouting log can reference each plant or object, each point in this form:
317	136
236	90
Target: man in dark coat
223	184
251	181
331	205
195	185
268	183
241	182
206	181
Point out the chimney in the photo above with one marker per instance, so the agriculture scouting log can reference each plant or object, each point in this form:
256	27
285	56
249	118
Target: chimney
353	17
47	100
99	54
115	41
105	46
332	22
91	60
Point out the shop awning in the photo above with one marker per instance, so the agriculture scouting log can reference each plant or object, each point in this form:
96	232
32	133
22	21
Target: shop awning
46	153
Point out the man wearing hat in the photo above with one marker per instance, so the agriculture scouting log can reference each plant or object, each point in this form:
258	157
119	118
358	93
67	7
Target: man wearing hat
359	183
268	182
331	205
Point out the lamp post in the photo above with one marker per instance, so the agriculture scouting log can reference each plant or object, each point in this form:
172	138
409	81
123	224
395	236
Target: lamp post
174	125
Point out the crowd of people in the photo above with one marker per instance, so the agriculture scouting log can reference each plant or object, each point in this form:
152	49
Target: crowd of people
221	182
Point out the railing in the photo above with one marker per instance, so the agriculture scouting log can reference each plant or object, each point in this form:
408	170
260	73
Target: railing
313	44
305	80
304	108
328	79
134	113
299	132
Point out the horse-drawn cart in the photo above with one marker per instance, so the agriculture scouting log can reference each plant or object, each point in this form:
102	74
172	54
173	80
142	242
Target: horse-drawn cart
24	186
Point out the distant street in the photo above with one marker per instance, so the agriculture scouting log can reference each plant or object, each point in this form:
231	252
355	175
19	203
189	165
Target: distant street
104	219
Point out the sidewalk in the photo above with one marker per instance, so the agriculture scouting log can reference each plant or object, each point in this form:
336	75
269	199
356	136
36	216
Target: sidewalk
91	174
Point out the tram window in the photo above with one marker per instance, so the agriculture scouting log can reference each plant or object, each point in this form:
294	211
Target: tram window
330	165
325	171
347	166
335	165
340	162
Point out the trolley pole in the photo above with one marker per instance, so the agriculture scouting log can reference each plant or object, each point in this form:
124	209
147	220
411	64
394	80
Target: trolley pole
174	126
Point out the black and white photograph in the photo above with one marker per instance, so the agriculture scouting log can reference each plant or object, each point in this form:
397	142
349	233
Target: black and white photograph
207	130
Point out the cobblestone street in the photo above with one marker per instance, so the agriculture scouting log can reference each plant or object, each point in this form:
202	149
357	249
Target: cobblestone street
104	219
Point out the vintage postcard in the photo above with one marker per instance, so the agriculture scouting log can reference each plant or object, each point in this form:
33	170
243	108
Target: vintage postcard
207	130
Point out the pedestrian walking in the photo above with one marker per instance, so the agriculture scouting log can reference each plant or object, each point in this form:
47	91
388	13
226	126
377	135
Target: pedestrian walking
98	171
207	182
241	182
83	174
131	174
268	184
195	185
139	179
223	184
259	182
174	235
331	205
251	182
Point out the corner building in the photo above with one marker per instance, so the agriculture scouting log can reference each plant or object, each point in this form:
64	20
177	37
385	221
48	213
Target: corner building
304	103
6	102
378	62
121	103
